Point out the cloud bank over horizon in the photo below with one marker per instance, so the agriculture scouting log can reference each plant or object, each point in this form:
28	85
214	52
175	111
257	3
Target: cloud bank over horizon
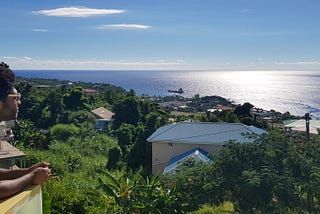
29	63
21	63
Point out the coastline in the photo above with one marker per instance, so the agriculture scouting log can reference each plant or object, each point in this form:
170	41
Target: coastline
296	92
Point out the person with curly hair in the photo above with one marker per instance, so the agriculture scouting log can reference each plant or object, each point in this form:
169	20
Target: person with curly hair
13	181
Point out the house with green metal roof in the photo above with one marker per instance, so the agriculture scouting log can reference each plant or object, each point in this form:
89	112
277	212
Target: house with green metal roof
300	125
173	140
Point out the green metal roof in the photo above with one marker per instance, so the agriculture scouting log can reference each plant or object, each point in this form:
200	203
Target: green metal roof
301	123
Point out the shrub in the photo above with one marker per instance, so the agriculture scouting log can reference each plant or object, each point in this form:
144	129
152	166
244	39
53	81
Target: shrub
63	132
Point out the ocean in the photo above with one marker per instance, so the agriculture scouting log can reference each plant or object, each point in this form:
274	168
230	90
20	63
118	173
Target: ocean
295	91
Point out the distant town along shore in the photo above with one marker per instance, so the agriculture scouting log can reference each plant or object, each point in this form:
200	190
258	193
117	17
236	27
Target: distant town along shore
195	104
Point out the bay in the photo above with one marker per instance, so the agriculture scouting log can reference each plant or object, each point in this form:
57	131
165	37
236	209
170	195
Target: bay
295	91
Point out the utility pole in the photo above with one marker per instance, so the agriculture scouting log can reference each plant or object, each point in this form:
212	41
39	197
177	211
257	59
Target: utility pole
307	118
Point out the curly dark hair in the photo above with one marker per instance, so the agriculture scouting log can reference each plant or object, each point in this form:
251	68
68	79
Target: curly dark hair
7	80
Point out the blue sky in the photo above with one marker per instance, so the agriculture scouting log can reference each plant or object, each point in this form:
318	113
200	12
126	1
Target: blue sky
161	34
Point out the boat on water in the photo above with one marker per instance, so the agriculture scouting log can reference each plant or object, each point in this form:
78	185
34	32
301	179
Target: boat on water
179	91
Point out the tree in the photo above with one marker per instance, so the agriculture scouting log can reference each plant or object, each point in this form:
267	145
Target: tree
74	100
28	136
271	175
115	156
140	152
249	121
243	110
195	183
136	194
127	111
153	122
3	64
32	103
81	116
125	135
54	101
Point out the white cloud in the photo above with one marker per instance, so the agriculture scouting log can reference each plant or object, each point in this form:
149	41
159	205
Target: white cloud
246	10
77	12
40	30
9	58
27	58
123	26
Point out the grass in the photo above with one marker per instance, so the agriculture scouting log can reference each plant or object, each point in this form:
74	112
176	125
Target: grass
226	207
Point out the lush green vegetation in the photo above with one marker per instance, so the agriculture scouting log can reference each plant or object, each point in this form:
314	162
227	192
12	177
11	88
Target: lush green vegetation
109	171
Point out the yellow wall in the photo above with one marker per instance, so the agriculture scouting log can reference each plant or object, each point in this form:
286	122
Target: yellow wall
163	152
